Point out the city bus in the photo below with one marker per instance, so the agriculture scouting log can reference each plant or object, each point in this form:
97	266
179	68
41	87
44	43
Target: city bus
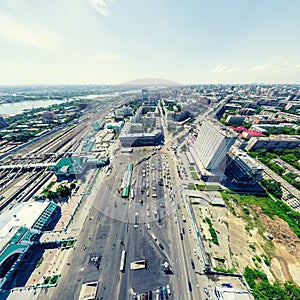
122	264
136	217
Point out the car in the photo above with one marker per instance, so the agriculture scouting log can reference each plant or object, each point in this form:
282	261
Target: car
165	292
190	286
161	294
157	294
161	246
192	263
168	289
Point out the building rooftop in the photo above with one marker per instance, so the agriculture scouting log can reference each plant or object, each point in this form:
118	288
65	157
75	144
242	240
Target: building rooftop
249	132
244	157
21	215
254	133
69	166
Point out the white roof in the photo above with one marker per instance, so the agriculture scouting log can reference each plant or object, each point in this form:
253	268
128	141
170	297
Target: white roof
21	215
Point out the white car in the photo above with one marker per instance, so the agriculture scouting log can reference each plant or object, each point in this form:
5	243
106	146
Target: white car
168	290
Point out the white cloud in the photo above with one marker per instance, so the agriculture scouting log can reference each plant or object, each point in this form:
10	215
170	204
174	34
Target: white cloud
32	34
220	68
261	67
298	66
107	57
100	6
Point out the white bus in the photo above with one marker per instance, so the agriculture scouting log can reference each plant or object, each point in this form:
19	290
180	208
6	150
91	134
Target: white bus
136	217
122	264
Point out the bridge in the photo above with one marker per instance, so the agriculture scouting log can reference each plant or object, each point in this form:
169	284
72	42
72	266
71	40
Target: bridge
27	166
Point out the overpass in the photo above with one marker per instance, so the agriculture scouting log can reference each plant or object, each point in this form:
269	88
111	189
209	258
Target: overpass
27	166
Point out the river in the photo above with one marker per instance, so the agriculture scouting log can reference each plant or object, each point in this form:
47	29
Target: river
18	107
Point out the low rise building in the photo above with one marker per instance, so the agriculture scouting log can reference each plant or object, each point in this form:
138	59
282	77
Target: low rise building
235	119
273	142
139	139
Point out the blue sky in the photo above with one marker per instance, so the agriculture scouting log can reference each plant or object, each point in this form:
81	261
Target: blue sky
112	41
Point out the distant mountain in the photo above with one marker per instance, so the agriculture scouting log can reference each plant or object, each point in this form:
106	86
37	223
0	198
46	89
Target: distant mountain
151	81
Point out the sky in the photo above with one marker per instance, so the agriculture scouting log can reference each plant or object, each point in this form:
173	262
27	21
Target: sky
112	41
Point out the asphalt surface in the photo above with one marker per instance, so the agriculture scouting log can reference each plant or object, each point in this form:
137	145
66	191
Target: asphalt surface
107	230
110	228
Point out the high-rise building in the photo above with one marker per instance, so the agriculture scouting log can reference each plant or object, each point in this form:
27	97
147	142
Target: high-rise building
243	169
211	147
3	124
145	94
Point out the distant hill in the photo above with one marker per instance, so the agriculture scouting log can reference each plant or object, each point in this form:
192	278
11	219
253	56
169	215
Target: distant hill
151	81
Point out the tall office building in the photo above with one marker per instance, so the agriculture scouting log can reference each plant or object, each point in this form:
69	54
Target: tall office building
212	145
145	94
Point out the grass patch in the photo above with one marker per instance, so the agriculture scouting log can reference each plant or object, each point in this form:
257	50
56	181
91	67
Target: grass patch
263	290
93	182
191	187
213	234
213	188
192	168
68	244
39	262
200	187
194	176
269	207
54	279
51	279
50	185
203	187
224	270
183	148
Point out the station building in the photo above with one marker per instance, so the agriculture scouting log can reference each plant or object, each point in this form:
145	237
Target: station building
20	228
70	166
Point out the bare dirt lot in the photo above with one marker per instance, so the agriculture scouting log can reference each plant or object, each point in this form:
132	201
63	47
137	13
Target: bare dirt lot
271	246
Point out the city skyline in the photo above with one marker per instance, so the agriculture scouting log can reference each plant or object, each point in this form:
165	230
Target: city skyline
113	41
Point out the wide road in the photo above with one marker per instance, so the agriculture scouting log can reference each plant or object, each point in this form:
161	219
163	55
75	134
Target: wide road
195	276
109	228
101	236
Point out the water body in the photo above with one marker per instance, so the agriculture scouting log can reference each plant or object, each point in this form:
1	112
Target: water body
18	107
